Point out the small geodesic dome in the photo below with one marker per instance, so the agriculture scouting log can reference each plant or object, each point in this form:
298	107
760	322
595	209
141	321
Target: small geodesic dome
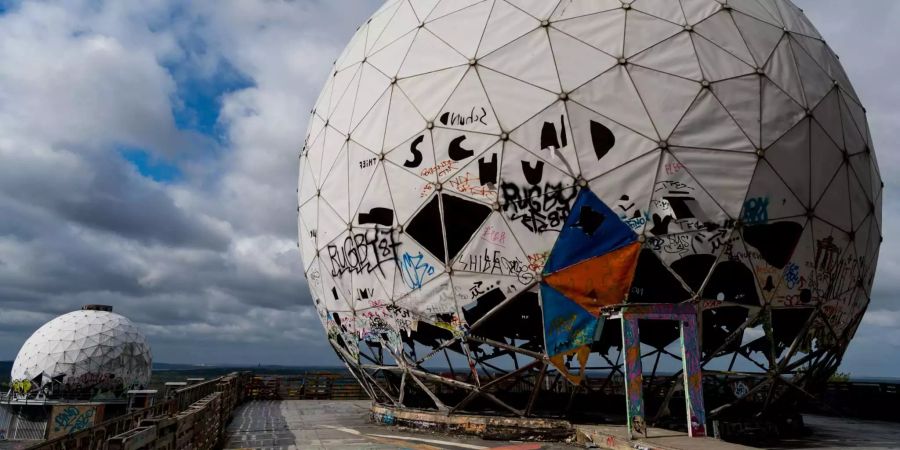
90	350
481	177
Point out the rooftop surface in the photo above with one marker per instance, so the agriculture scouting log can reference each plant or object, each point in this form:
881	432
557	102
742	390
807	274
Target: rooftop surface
331	424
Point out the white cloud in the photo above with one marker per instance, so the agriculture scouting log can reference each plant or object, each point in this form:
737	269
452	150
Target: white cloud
209	265
210	260
882	318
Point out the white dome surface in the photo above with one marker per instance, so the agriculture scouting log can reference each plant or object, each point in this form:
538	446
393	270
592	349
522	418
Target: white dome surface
86	348
503	169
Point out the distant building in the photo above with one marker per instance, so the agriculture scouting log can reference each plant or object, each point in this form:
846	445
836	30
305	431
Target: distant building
74	371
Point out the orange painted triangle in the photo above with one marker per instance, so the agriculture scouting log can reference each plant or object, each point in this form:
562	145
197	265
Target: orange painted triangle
581	353
598	282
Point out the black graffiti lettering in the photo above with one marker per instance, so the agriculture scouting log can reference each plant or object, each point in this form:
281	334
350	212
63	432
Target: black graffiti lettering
363	252
681	207
533	175
476	115
589	220
378	216
365	164
677	202
497	264
661	225
602	138
549	137
625	204
538	208
713	237
457	152
563	138
417	154
487	170
673	244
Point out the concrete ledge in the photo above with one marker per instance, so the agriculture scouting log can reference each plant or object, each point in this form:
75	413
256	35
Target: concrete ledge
615	437
485	427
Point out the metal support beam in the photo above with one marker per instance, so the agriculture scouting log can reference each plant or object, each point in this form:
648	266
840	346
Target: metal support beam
634	379
693	378
691	373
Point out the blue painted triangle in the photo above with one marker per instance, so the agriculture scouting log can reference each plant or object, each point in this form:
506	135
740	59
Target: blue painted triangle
567	326
591	230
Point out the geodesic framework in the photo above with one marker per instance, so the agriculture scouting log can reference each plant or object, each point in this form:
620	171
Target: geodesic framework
82	353
480	179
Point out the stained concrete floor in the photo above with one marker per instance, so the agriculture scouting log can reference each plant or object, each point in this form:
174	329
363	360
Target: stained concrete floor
829	433
309	424
16	445
326	424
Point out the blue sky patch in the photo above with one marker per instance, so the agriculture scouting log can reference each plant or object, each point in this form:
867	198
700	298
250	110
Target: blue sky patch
151	166
200	98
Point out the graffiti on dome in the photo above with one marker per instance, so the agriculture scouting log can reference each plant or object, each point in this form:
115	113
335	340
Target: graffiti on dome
363	252
495	263
477	115
540	208
414	270
92	381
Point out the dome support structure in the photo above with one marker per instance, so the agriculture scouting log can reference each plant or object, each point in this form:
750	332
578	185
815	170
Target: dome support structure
480	182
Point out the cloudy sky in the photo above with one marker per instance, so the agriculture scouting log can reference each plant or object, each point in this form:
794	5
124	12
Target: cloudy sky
148	157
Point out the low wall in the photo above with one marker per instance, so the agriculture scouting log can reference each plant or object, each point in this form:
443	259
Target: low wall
193	418
312	385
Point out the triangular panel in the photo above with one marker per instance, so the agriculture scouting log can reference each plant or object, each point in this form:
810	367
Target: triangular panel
429	92
643	31
666	107
708	125
469	107
528	59
462	30
592	229
604	144
506	24
576	61
627	190
600	281
566	324
705	166
613	95
428	54
604	31
549	136
676	56
514	101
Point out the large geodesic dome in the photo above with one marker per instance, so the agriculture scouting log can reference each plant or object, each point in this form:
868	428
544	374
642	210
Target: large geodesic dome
481	179
83	352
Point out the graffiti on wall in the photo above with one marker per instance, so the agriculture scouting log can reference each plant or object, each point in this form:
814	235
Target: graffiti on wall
70	419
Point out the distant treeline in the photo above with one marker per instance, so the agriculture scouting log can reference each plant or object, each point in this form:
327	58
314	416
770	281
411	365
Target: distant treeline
164	372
